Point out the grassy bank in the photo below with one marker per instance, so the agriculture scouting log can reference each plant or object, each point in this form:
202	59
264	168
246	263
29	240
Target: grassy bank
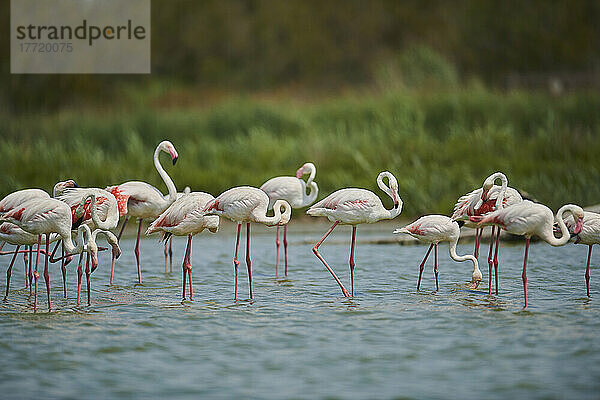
438	145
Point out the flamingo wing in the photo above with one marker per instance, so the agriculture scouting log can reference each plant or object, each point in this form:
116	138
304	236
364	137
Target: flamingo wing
465	205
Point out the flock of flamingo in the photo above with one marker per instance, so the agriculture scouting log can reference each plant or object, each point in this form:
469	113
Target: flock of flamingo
74	216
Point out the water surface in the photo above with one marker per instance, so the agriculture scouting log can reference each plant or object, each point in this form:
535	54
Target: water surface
299	337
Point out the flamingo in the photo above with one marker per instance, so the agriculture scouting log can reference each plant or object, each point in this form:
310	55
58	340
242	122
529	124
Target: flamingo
185	218
169	240
527	219
352	206
479	202
14	199
589	234
293	190
143	201
103	215
245	204
434	229
45	216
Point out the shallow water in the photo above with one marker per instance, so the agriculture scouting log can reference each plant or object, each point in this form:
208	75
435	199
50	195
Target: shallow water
299	338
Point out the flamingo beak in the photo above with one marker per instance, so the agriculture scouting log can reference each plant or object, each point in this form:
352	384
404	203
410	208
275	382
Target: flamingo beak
300	172
94	260
174	155
116	250
578	226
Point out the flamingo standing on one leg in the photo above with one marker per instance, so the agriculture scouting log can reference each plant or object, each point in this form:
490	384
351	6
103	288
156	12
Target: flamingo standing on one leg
245	204
46	216
434	229
293	190
143	201
589	234
352	207
527	219
479	202
185	218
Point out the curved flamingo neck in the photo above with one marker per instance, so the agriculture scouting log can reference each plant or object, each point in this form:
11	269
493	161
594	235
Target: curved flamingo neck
503	188
165	177
277	215
395	211
68	241
548	234
313	192
466	257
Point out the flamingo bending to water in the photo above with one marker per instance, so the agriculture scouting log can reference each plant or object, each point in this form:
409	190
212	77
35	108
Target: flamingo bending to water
527	219
589	234
481	201
434	229
143	201
169	241
353	206
245	204
185	218
293	190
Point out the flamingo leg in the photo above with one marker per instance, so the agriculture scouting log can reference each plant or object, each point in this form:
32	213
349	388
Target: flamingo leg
112	268
496	260
524	274
587	271
423	266
189	266
277	244
87	278
29	268
64	272
25	264
478	233
248	264
285	247
9	270
316	251
490	262
46	272
183	268
36	274
137	251
352	258
171	254
236	263
79	274
435	269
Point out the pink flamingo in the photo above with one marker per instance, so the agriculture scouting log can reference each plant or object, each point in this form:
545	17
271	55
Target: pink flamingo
293	190
480	201
527	219
43	217
143	201
245	204
589	234
434	229
169	241
352	207
185	218
13	200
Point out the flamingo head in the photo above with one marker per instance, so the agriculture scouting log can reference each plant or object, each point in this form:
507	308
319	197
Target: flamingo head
305	169
476	279
60	187
578	225
168	147
92	249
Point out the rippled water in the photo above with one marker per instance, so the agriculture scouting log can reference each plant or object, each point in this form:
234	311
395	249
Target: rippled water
299	338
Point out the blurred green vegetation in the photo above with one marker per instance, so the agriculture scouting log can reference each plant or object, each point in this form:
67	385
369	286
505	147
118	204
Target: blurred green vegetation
439	144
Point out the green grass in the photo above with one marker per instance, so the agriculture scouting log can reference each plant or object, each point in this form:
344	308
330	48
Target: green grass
439	145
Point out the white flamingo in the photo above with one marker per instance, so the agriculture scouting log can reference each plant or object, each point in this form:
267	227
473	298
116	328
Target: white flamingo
589	234
185	218
245	204
434	229
527	219
169	241
352	207
143	201
293	190
13	200
480	201
43	217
